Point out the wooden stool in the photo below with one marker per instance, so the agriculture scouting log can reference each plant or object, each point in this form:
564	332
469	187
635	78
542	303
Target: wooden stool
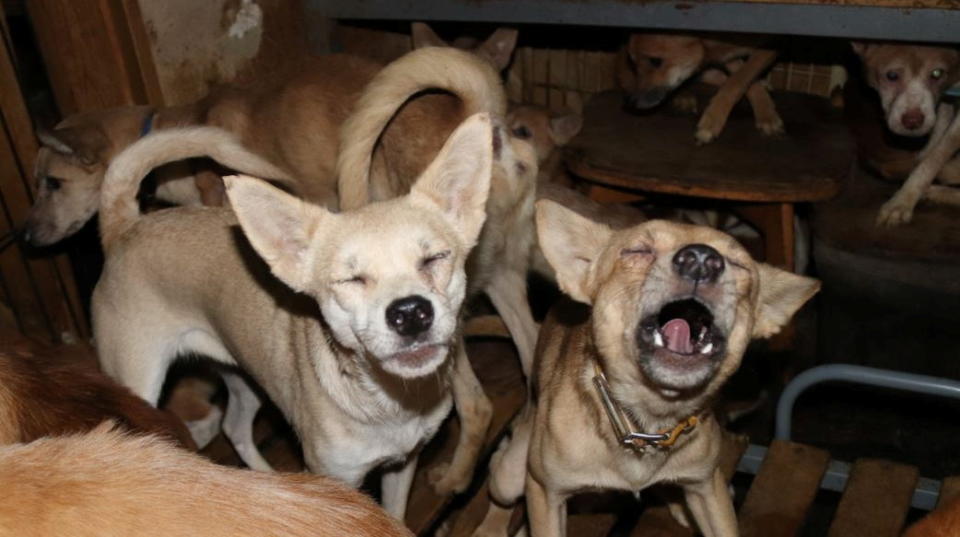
625	156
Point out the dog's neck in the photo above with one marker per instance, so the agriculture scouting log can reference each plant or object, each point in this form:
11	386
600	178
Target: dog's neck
645	406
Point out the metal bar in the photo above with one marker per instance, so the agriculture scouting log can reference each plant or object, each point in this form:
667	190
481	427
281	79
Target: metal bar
924	496
859	375
832	20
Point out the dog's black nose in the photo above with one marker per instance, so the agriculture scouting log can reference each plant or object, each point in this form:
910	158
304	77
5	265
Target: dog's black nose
410	316
699	262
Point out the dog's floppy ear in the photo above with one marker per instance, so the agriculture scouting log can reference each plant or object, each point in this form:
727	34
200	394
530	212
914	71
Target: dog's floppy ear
422	35
280	227
564	126
572	244
457	182
86	144
781	294
498	48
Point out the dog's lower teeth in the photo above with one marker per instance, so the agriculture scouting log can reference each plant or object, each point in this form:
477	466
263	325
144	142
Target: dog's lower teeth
657	339
703	334
707	349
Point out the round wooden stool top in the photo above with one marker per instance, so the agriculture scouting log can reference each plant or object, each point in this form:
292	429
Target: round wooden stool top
656	152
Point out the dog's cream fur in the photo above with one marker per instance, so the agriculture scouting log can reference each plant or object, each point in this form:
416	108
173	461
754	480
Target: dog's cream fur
106	484
911	81
315	334
563	441
373	168
290	117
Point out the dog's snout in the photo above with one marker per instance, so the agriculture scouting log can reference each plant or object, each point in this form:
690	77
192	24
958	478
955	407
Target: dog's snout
699	263
913	119
410	316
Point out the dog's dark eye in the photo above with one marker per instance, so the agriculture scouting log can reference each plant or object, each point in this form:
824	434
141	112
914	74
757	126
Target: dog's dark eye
522	132
655	62
893	76
429	260
359	279
52	183
937	74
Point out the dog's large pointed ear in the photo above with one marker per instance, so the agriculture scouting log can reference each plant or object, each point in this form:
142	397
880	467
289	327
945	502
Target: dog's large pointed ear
280	227
572	245
860	47
458	180
781	294
422	35
85	144
498	48
564	126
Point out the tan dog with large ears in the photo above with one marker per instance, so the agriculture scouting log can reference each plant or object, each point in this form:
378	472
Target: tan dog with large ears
624	388
355	339
496	49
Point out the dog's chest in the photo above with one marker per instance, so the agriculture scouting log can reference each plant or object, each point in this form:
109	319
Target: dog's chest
368	445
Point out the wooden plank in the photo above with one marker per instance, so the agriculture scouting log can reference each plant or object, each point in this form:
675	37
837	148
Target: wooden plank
949	489
591	524
556	77
876	499
500	374
657	152
783	490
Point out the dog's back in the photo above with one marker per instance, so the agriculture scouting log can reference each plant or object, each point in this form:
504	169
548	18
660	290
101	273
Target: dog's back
118	485
45	393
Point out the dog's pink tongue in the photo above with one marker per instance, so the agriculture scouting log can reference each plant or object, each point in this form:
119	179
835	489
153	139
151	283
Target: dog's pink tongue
677	334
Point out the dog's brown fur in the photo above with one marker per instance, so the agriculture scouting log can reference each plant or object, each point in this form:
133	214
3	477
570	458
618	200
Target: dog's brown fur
495	49
942	522
564	439
45	392
910	81
106	484
290	118
651	66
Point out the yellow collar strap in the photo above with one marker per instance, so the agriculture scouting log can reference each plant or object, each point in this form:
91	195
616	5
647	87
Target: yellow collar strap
625	432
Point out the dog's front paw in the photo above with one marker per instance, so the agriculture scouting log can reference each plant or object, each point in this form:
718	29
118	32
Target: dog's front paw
446	481
897	211
771	126
708	129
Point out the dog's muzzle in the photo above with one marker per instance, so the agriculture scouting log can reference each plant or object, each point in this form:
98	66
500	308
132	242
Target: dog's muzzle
646	99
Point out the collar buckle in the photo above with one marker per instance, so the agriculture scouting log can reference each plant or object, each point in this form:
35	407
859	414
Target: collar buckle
626	435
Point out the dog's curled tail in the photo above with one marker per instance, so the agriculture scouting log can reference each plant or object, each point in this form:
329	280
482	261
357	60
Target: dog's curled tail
462	73
119	208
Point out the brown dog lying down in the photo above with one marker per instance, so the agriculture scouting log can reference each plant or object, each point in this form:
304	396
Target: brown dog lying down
911	81
652	66
107	484
291	118
45	393
944	521
624	389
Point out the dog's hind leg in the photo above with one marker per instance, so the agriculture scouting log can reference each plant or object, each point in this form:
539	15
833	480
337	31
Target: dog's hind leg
395	485
242	407
508	469
508	292
475	412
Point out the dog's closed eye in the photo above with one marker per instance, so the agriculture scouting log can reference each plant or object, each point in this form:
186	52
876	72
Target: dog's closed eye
359	279
637	250
427	262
